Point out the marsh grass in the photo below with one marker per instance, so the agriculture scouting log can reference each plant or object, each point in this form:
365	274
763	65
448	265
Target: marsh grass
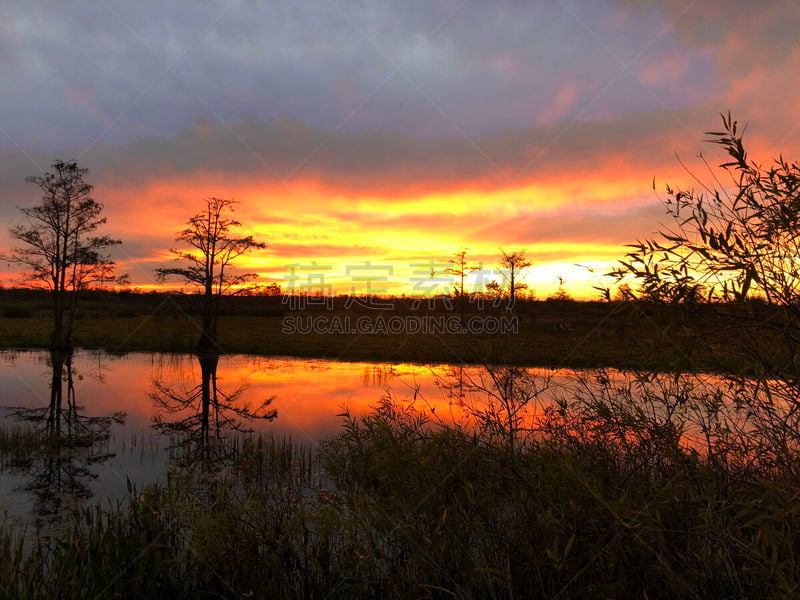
17	442
606	500
567	333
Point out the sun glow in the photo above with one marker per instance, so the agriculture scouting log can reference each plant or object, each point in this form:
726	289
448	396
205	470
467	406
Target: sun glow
350	237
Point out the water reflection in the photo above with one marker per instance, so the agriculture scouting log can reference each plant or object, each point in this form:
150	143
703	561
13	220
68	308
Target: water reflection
57	444
202	418
196	400
503	401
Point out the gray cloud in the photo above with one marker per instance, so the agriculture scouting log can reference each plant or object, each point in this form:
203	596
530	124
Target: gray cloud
118	71
389	162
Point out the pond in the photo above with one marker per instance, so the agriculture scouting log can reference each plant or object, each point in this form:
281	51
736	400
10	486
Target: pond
125	419
127	411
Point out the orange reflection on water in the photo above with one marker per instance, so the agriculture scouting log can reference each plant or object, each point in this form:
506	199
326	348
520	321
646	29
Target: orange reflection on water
309	395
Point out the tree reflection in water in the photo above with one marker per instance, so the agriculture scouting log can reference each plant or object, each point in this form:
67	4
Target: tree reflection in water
58	444
203	418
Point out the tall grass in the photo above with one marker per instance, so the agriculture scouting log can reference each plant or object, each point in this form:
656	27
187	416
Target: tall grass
605	499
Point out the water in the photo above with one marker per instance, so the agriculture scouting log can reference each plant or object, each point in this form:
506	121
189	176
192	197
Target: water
308	395
97	452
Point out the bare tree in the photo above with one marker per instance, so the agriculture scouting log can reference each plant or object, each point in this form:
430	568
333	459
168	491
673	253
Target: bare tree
64	442
514	263
460	270
59	247
213	248
503	399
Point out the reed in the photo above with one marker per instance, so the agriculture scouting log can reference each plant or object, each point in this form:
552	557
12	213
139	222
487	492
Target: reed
601	500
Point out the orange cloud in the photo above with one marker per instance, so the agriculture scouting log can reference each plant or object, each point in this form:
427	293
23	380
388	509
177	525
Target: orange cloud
569	194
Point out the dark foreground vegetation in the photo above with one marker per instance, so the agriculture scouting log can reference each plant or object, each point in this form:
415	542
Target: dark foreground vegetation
601	501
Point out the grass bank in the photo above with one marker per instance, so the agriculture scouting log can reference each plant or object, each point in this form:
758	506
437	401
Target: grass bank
548	333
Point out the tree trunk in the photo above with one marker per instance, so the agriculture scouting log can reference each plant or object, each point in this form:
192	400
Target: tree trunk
512	293
207	345
58	343
208	370
58	359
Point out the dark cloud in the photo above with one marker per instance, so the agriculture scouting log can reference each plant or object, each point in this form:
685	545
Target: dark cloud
120	70
281	157
390	162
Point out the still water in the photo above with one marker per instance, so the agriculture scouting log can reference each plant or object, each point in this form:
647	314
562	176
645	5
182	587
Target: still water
125	395
120	416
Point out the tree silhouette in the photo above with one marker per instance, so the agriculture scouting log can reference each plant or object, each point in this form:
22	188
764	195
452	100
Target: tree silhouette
514	263
502	398
213	248
60	445
59	247
460	270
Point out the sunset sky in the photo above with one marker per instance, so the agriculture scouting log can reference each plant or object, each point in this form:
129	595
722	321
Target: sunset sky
368	140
